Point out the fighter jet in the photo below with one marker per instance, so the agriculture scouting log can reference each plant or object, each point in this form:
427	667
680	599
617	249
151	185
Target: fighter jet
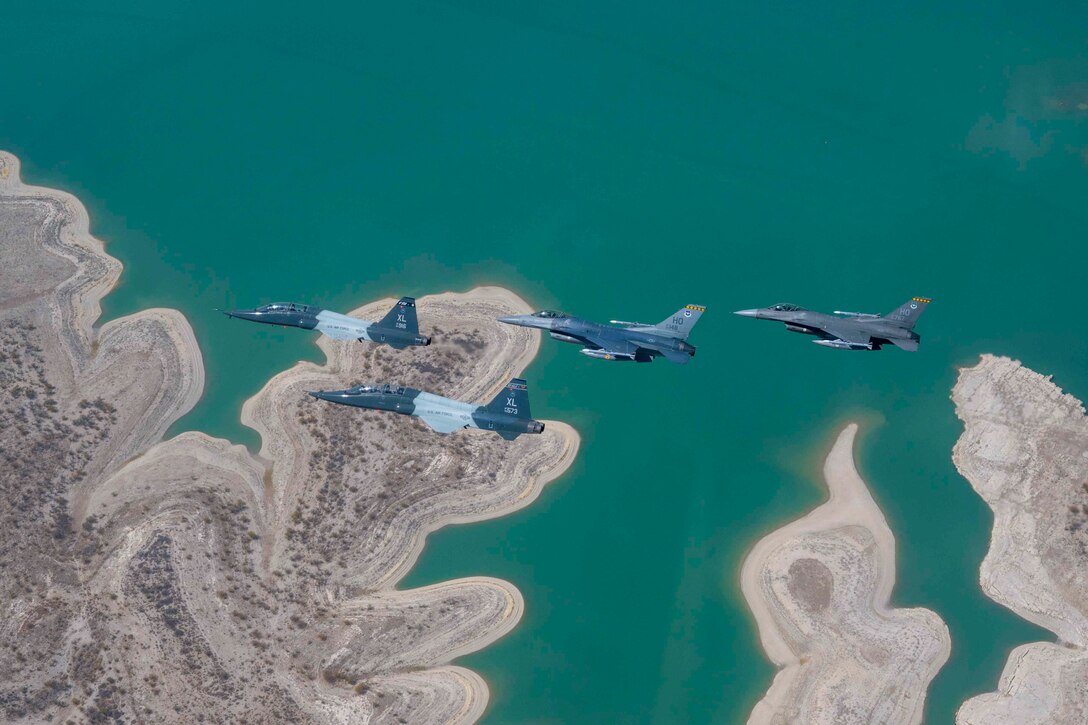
398	329
507	415
630	341
850	330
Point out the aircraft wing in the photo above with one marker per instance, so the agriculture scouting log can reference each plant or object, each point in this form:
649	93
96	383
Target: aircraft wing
441	423
636	350
620	347
847	332
341	334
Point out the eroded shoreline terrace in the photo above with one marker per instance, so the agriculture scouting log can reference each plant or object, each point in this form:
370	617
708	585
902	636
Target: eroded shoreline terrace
150	579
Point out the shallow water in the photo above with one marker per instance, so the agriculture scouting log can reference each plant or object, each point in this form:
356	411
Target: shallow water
614	160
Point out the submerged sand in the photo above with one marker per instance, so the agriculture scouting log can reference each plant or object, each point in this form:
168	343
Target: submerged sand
819	588
165	580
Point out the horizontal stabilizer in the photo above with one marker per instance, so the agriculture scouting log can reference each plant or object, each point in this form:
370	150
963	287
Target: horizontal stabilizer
676	356
906	344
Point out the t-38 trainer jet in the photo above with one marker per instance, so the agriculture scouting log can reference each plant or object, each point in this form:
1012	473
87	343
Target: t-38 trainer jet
850	330
398	329
631	341
507	415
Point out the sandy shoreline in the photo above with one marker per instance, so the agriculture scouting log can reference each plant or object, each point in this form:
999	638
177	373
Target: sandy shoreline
819	589
533	460
345	366
179	547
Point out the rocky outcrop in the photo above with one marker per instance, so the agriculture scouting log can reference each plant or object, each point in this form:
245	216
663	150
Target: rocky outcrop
1024	449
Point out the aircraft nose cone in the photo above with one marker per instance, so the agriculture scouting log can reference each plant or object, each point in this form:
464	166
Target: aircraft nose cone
747	313
527	321
241	314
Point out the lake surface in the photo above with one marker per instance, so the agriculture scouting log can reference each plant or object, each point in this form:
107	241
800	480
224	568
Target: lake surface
616	160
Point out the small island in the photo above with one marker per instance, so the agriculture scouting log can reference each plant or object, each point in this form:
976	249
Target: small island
174	580
819	588
1024	449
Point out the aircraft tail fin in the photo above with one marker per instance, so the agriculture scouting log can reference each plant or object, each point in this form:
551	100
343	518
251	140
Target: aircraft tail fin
680	323
402	317
908	313
512	400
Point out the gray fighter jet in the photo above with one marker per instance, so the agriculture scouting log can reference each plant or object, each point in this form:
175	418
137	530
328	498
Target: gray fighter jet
630	341
850	330
507	415
398	329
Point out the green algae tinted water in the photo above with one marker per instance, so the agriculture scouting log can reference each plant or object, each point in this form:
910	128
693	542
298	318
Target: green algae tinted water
615	160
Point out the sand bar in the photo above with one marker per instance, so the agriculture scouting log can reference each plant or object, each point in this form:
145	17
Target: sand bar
819	589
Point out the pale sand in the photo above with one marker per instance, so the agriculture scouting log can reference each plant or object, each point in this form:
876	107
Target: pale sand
819	589
257	588
1024	450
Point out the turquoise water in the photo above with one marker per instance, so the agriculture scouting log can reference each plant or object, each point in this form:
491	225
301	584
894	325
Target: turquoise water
614	160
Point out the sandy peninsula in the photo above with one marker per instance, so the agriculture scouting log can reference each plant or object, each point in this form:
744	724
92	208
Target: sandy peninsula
819	588
1024	449
166	581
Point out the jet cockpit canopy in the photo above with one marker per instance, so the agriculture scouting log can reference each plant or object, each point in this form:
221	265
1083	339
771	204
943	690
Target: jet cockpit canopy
786	307
550	314
283	307
384	389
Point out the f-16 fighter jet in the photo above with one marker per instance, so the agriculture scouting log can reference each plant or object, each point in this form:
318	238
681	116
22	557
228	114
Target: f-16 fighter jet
398	329
850	330
632	341
507	415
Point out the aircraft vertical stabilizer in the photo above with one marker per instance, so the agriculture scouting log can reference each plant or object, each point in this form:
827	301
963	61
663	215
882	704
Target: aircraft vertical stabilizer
908	313
402	317
512	400
679	324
